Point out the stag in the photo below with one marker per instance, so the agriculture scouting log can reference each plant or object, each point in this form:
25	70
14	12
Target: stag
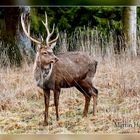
65	70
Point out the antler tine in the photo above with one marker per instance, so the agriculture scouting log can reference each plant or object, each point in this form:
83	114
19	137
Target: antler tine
54	40
52	29
28	32
29	28
46	23
49	34
42	38
47	28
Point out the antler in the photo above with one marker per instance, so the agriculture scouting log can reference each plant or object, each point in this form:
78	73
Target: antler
28	32
48	32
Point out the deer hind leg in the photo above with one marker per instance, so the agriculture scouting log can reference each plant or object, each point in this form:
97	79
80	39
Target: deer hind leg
87	96
94	93
56	102
46	101
91	91
87	102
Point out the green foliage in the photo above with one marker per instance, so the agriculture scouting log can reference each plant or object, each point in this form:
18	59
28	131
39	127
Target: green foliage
68	18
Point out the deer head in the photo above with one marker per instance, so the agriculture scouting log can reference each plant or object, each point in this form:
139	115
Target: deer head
44	51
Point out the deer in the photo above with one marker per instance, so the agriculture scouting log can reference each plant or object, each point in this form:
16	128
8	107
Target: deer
64	70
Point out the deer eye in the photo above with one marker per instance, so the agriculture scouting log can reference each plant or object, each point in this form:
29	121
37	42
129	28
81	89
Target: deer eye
44	53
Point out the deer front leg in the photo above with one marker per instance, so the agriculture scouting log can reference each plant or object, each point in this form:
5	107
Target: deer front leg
46	101
56	102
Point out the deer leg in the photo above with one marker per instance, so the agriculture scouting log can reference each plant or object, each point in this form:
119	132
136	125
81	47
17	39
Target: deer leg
46	101
56	102
88	88
87	102
94	95
87	96
94	105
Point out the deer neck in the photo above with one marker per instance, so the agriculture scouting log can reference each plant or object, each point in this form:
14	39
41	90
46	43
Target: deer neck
47	71
43	74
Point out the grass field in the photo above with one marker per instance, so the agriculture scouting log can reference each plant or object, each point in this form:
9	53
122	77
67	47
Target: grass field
118	82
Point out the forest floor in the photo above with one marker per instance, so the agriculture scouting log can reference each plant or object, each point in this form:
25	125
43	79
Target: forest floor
118	82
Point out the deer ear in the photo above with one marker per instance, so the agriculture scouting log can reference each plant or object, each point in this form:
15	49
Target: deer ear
50	50
53	45
38	47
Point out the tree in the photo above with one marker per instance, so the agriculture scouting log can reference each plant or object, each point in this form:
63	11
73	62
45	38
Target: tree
24	43
9	52
13	41
129	19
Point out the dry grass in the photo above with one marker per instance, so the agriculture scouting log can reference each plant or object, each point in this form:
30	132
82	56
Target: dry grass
118	82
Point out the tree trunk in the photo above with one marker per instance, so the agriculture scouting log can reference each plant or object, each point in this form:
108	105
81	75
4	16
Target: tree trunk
129	19
14	45
23	41
9	51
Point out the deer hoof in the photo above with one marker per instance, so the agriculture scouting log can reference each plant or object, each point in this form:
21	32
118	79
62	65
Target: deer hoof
93	118
84	115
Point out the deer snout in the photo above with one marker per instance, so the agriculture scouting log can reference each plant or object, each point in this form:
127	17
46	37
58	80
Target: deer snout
54	60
